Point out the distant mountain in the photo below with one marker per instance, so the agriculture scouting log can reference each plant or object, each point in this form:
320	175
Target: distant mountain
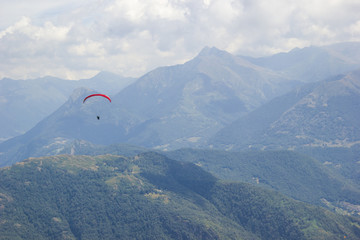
23	103
313	64
183	105
323	114
72	121
186	105
213	88
149	197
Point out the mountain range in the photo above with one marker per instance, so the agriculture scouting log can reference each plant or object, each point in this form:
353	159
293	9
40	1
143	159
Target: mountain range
215	100
187	105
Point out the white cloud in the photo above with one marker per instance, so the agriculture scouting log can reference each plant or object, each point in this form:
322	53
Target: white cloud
47	32
88	48
131	37
141	11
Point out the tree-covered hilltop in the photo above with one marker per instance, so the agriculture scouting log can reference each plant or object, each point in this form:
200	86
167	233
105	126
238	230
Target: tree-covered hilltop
149	196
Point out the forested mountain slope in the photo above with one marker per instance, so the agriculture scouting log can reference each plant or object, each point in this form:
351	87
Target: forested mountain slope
149	197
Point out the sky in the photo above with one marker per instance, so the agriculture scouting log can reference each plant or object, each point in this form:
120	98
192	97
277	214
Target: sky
77	39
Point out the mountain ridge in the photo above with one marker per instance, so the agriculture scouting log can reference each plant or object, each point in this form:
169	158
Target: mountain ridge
319	114
187	104
321	62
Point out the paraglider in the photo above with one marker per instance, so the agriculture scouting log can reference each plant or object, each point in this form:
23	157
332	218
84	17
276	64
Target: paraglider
97	95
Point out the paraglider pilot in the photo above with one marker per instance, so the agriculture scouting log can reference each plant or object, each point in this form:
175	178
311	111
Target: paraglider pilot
100	95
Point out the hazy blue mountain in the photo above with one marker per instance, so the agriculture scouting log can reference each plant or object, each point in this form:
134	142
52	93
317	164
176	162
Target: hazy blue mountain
313	64
183	105
149	196
73	120
324	114
23	103
214	88
169	107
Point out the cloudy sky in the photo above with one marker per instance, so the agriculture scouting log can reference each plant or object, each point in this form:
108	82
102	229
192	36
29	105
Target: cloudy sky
77	39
